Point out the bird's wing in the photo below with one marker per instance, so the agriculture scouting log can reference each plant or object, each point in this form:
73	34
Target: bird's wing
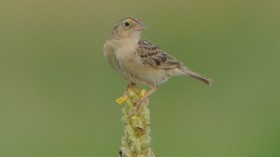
152	55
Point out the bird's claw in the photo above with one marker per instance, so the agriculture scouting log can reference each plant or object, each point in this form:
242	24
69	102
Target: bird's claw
136	108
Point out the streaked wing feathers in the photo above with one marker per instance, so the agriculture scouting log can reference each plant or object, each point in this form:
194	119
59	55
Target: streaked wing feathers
152	55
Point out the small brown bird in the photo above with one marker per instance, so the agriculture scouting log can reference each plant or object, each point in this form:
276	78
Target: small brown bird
141	62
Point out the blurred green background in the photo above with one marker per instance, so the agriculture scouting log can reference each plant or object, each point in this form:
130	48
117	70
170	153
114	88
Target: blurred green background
57	91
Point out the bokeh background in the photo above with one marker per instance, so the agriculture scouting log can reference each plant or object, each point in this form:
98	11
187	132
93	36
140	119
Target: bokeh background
57	91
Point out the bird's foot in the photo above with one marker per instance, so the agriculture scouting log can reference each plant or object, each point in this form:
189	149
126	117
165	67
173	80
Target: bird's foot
137	106
130	85
136	109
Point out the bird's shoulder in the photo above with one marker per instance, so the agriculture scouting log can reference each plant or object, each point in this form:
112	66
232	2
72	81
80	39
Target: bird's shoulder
152	55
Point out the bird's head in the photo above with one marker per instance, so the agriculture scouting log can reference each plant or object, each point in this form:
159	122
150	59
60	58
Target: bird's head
128	28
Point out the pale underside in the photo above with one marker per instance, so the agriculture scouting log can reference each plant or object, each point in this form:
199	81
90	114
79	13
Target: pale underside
146	64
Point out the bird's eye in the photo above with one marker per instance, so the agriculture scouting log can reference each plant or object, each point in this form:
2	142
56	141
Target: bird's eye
127	24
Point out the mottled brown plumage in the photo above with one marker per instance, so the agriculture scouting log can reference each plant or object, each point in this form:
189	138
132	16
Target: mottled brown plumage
155	57
141	62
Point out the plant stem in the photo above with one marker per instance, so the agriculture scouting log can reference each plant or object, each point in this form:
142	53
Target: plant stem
136	141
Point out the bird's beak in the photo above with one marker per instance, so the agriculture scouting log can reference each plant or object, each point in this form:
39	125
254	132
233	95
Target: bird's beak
140	26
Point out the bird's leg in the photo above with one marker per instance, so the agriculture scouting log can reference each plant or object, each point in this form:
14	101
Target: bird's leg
139	102
131	84
121	99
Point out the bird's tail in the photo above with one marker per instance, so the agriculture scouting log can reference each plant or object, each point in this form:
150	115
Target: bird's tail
197	76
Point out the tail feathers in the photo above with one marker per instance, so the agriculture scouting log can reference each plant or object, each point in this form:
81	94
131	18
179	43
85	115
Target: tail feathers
198	77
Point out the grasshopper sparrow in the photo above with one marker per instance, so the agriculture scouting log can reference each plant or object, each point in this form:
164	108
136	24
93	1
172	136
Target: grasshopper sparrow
141	62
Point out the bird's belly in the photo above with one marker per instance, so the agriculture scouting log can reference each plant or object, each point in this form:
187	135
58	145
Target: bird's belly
141	74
